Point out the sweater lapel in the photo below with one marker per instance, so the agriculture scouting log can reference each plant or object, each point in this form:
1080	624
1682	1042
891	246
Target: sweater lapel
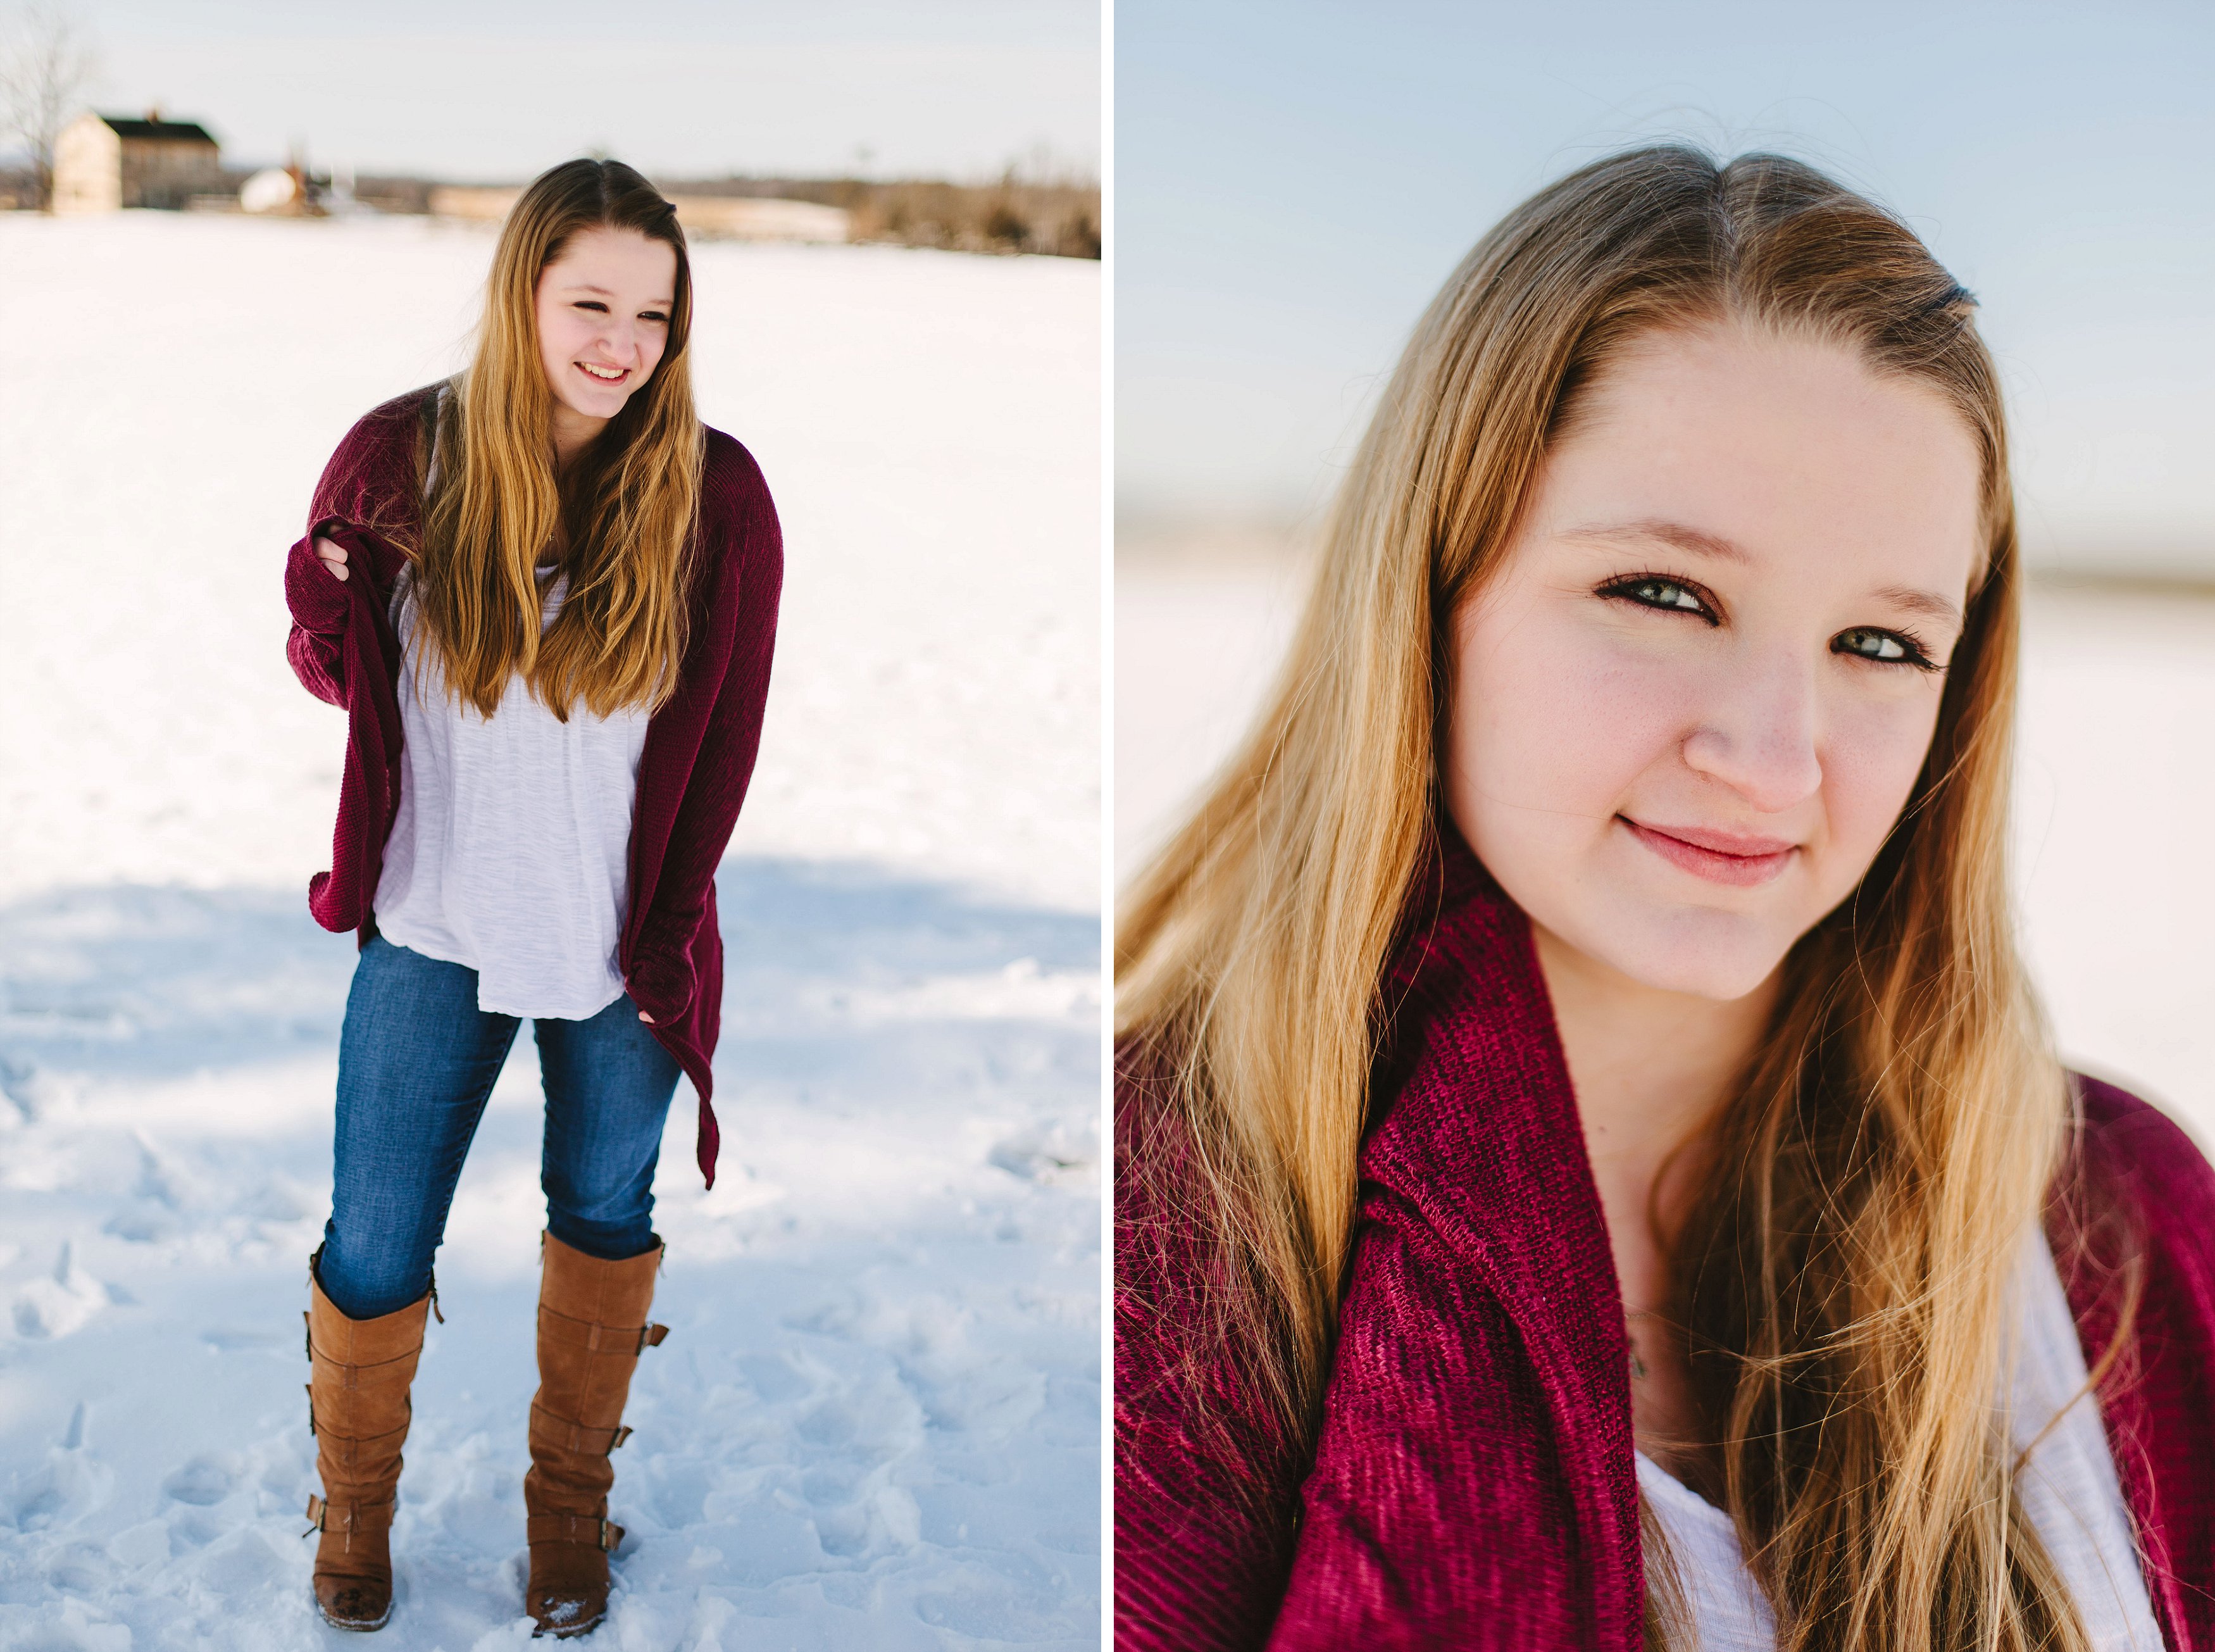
1487	1119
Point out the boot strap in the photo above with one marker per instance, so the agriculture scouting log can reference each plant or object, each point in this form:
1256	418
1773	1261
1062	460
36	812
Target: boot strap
352	1516
359	1376
593	1531
595	1337
558	1431
308	1337
317	1430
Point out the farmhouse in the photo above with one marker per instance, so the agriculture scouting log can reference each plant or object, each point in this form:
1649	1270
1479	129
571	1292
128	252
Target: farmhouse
103	162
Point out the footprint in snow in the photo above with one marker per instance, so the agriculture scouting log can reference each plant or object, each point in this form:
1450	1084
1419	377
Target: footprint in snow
205	1481
63	1302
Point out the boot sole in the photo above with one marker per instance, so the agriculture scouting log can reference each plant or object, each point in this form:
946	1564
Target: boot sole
361	1625
540	1631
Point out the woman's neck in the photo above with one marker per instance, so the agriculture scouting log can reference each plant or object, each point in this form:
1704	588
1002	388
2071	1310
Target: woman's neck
1650	1069
573	433
1649	1066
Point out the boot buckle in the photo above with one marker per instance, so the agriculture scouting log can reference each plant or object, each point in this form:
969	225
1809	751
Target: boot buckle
651	1337
317	1509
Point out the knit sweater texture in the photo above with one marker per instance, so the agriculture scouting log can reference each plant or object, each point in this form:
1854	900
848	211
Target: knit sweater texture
1473	1482
700	745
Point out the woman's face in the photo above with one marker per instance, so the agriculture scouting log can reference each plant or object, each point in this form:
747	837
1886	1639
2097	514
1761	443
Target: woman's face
1690	703
603	307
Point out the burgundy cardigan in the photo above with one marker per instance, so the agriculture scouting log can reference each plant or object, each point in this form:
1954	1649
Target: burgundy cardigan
700	745
1473	1483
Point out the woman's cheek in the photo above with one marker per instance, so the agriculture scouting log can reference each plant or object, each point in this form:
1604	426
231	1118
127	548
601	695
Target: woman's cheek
1564	721
556	343
1872	752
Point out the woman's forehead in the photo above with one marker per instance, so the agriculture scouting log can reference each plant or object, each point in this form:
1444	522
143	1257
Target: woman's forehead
1770	450
612	260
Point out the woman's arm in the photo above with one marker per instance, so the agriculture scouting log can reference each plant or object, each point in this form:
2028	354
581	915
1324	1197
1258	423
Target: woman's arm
1206	1473
370	477
661	975
314	591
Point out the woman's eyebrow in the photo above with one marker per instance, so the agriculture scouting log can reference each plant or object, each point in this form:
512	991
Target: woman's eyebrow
1920	602
1698	541
608	293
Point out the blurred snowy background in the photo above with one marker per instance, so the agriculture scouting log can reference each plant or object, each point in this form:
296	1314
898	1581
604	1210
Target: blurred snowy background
875	1422
1289	200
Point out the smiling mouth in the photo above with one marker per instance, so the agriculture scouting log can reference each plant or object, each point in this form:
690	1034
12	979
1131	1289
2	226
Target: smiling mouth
604	375
1719	856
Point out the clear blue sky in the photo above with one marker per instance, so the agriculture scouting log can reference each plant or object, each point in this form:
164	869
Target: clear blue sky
1294	180
498	88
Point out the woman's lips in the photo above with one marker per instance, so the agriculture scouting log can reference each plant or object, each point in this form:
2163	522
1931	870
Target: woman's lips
598	371
1718	857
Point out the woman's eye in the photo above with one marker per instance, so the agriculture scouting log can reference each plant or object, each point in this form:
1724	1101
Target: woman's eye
1886	648
653	315
1648	591
591	303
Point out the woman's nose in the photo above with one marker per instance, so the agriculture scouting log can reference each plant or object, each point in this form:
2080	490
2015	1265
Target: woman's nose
619	337
1759	734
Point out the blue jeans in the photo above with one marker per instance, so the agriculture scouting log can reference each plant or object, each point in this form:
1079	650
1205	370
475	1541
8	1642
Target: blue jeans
417	1059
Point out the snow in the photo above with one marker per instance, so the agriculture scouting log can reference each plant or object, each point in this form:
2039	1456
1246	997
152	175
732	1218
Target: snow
876	1422
2115	889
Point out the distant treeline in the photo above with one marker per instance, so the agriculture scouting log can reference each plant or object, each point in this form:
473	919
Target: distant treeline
1010	216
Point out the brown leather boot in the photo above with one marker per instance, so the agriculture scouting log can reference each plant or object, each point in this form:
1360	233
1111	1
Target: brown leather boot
591	1328
358	1410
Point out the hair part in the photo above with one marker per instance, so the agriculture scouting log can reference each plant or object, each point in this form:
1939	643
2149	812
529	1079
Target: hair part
1845	1272
621	515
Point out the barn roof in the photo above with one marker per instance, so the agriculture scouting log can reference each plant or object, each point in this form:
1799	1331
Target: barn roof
127	125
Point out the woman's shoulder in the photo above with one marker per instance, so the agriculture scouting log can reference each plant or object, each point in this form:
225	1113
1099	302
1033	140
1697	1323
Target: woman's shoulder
2167	1177
1154	1148
731	479
1169	1257
738	525
372	469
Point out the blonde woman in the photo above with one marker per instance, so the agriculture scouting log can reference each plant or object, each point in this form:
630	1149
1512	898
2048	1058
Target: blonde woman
546	596
1589	1168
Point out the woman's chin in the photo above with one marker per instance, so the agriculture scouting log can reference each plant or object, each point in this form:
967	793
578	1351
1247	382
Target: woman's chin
1705	955
600	408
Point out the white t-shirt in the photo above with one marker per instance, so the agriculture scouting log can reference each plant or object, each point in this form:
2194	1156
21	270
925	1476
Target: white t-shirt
510	850
2068	1489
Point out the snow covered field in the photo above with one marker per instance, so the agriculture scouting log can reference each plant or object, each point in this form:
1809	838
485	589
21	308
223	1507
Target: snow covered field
2116	787
875	1422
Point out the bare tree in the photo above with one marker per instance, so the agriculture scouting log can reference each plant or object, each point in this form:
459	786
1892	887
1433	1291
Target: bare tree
45	62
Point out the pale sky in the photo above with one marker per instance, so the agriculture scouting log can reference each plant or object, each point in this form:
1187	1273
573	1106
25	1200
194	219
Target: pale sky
497	89
1294	181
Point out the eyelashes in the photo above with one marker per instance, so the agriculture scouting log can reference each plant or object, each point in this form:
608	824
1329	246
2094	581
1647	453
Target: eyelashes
1670	594
1656	590
597	308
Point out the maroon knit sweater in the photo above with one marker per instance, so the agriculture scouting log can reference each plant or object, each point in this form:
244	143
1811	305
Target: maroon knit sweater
700	745
1473	1484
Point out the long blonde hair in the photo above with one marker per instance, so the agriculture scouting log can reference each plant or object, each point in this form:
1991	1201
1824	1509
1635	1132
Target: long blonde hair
622	515
1845	1277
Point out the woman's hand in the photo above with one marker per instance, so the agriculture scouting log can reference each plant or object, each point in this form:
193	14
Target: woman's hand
334	556
650	979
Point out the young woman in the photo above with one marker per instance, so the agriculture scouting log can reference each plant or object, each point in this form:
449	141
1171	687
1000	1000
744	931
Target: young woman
546	596
1589	1168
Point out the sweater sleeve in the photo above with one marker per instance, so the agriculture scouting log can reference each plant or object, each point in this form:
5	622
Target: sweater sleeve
1206	1474
319	605
661	977
368	471
2149	1196
1428	1501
